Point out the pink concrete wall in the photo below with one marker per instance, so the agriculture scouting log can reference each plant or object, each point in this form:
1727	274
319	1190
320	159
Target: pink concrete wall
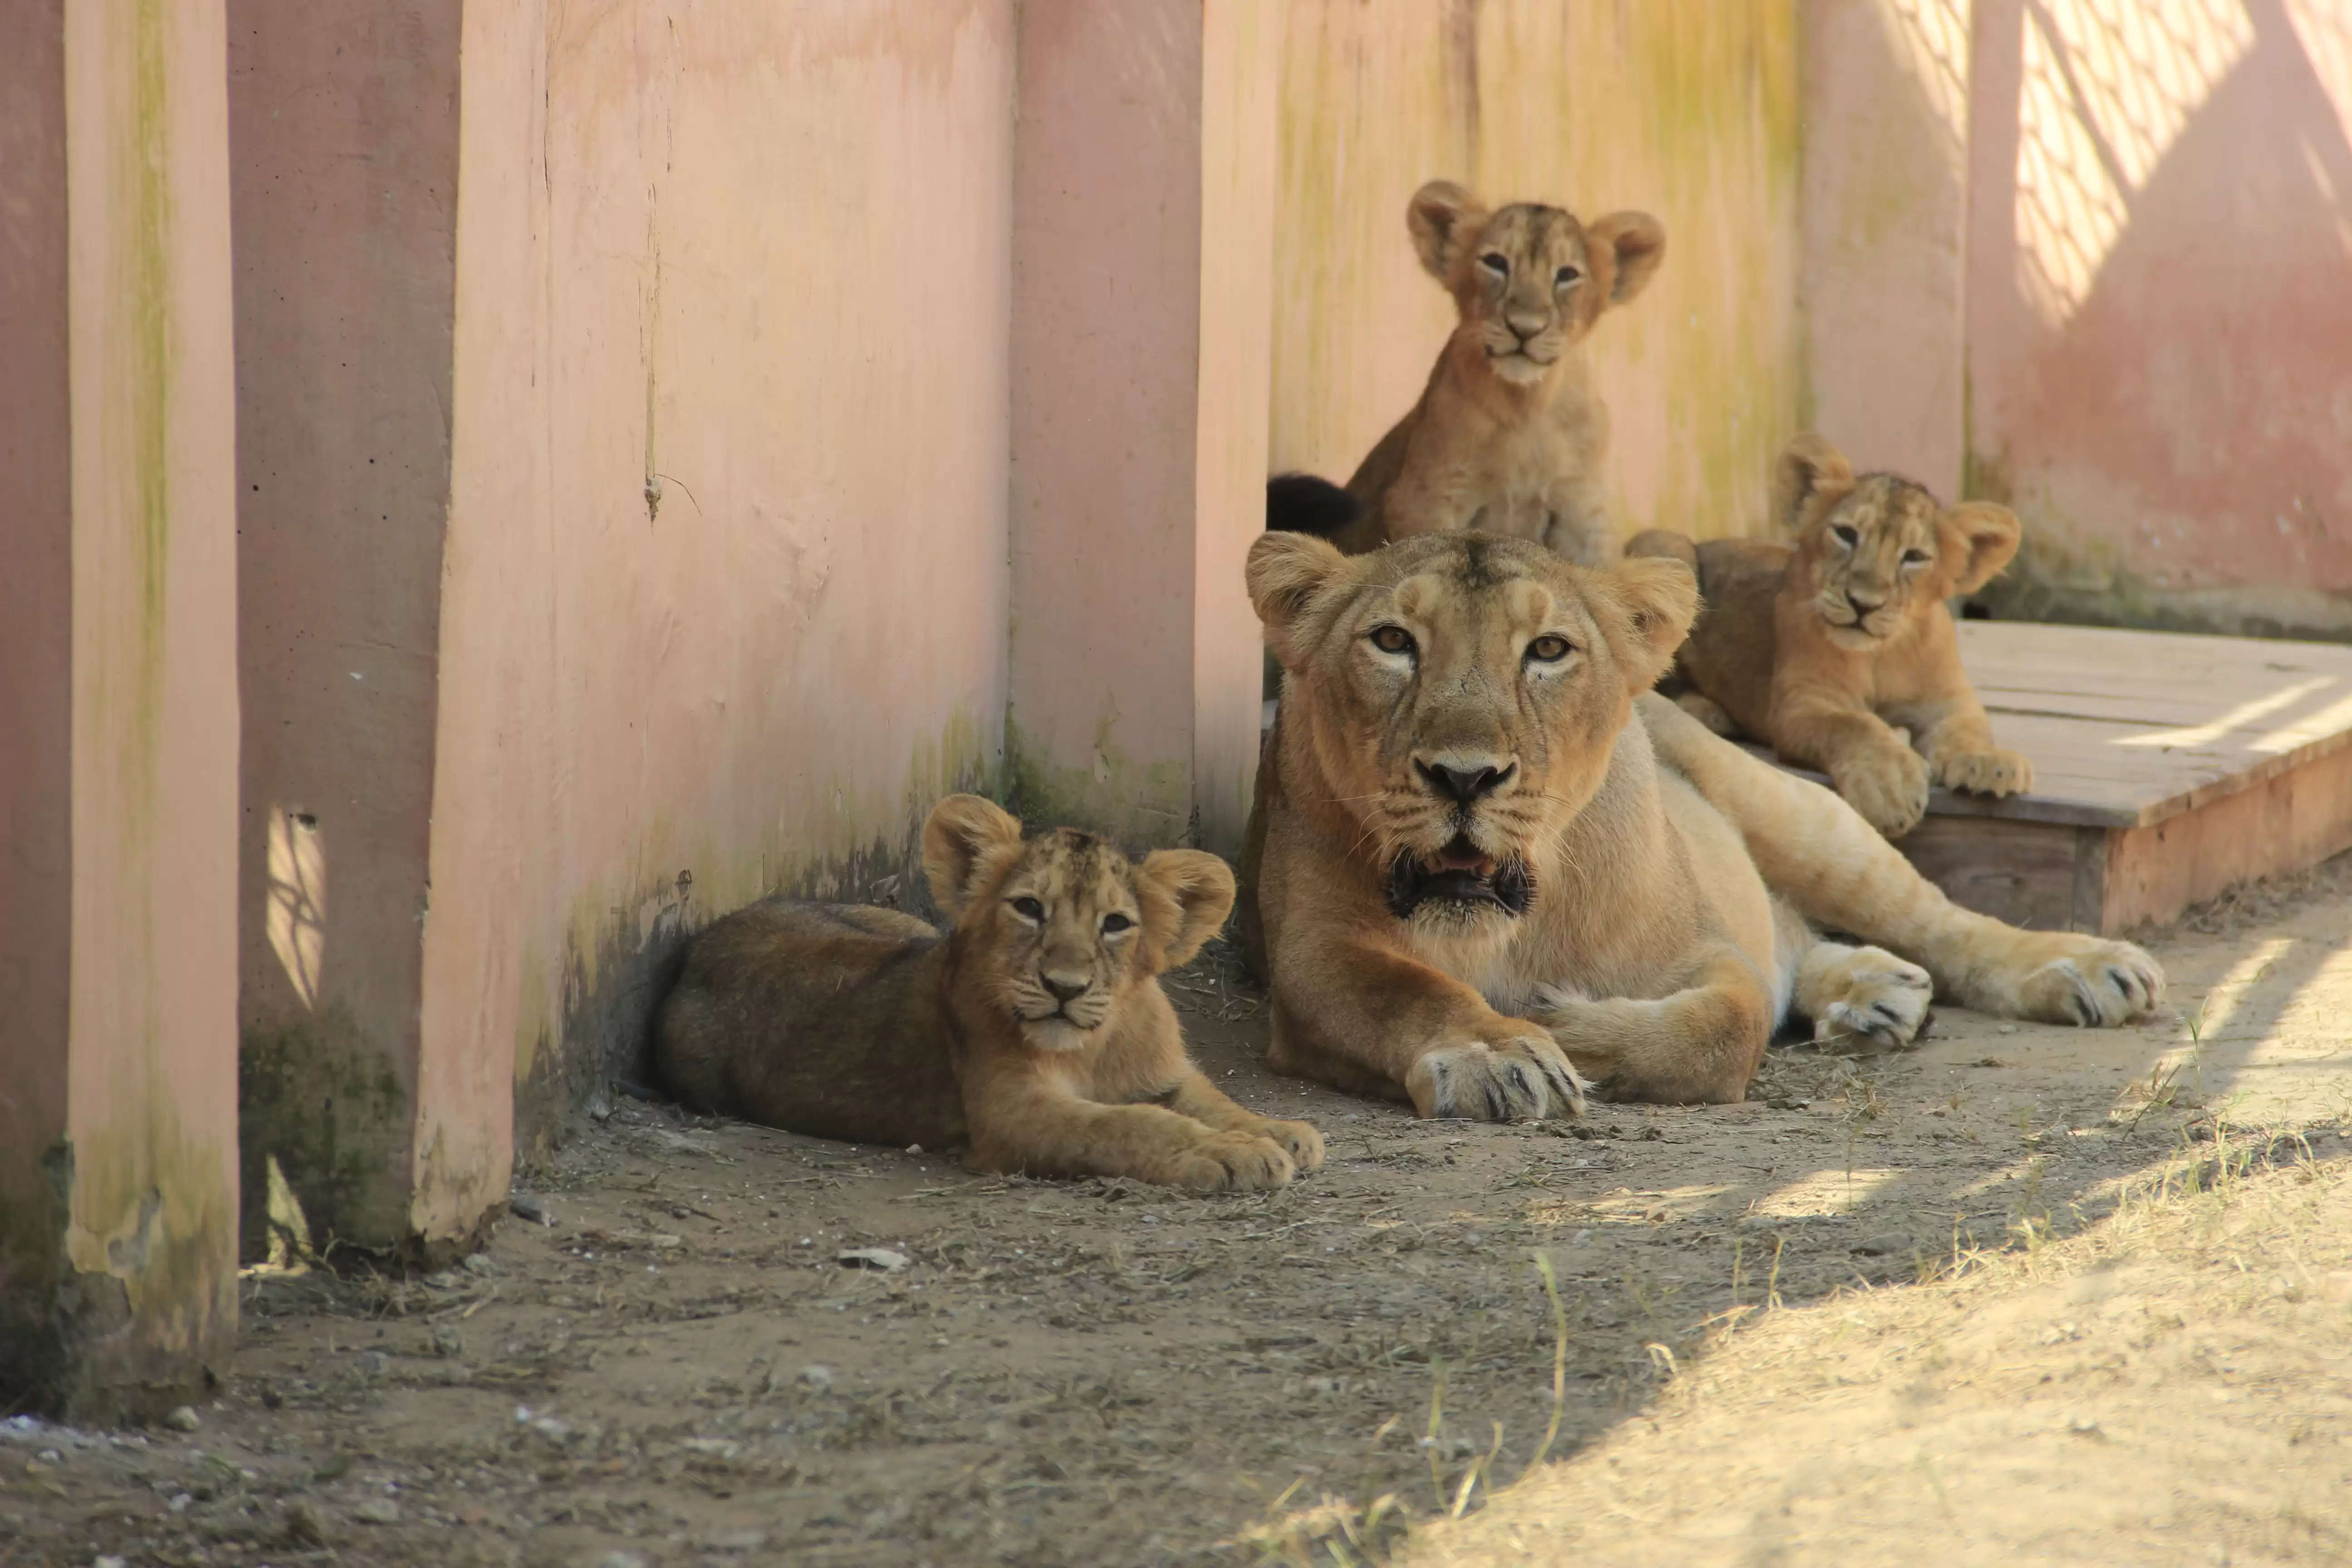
2159	308
725	587
343	121
1144	191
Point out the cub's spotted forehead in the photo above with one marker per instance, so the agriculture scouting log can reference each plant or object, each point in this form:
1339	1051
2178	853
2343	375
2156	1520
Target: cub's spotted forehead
1884	496
1068	859
1537	226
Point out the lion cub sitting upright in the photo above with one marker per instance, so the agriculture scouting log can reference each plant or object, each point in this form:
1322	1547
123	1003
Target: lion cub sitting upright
1509	433
1036	1029
1821	646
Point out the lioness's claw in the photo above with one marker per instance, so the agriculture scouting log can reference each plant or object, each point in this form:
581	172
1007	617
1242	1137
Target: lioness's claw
1304	1145
2106	983
1523	1078
1878	1003
1238	1162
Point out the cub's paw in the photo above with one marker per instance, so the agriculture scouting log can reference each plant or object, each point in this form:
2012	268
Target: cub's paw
1866	1001
1889	787
1521	1078
1996	771
1299	1139
2090	982
1710	712
1228	1161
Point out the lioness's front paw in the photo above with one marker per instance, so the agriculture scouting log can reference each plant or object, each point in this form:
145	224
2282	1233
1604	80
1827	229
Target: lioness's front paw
1873	1002
2092	982
1889	787
1228	1162
1304	1143
1996	771
1523	1077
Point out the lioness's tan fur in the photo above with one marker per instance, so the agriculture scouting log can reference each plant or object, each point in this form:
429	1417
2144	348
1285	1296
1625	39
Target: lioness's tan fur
1036	1029
1426	731
1508	436
1822	645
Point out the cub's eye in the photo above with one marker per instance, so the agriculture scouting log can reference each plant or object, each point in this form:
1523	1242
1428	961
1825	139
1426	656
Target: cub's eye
1393	639
1845	536
1549	649
1028	909
1915	558
1114	923
1565	275
1495	262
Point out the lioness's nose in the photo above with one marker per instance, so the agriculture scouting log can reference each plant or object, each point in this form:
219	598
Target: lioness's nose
1063	988
1463	784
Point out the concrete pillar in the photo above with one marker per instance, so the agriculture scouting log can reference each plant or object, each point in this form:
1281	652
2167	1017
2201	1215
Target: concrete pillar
1885	216
1143	221
343	117
118	699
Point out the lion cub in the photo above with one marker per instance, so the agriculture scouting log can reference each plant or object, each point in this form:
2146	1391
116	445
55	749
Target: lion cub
1036	1029
1821	645
1509	433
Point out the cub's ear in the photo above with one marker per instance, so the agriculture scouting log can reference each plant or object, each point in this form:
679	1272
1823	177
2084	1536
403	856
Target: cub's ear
1648	605
1630	245
966	839
1187	895
1979	539
1810	477
1442	217
1285	573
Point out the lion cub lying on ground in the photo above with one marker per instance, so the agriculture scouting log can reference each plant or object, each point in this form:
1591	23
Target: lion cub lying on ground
1509	433
1821	646
1036	1029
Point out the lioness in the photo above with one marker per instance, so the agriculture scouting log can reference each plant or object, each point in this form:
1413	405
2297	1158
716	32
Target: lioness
1508	435
1037	1029
1822	645
1491	868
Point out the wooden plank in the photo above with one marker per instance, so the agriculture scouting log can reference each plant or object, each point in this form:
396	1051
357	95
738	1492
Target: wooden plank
2039	874
2285	823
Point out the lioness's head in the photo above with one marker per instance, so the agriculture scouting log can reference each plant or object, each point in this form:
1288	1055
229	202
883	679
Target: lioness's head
1874	551
1464	693
1529	281
1056	933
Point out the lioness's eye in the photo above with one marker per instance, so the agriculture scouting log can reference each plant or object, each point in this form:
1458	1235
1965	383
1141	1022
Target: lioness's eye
1846	536
1495	262
1114	923
1915	558
1028	909
1548	648
1393	639
1565	275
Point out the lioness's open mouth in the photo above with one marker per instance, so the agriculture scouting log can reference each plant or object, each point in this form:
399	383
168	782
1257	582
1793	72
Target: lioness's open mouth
1461	874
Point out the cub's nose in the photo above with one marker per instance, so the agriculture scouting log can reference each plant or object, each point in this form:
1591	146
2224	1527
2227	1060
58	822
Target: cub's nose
1524	327
1464	784
1862	602
1063	988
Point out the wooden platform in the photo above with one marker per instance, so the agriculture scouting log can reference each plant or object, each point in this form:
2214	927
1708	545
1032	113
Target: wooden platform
2166	768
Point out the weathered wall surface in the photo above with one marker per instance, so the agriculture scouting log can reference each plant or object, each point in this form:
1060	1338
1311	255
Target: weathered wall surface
1686	111
343	121
118	1189
726	585
2159	309
1143	189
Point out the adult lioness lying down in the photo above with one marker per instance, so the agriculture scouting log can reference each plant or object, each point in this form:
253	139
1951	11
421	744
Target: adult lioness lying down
1490	868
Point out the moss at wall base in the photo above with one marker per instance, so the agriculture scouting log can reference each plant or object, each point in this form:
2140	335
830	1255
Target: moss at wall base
323	1100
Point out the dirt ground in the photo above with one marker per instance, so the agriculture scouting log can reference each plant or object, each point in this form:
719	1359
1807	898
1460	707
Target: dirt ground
2021	1294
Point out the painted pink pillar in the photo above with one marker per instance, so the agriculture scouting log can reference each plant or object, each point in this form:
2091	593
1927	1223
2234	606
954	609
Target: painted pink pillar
343	121
1143	219
118	692
1884	214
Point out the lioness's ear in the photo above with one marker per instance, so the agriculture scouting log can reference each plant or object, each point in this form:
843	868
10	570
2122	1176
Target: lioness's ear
1810	477
1442	216
1285	573
1630	245
1653	598
1979	539
1198	886
964	839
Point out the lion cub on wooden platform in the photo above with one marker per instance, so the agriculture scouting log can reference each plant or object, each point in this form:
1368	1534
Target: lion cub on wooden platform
1821	645
1036	1029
